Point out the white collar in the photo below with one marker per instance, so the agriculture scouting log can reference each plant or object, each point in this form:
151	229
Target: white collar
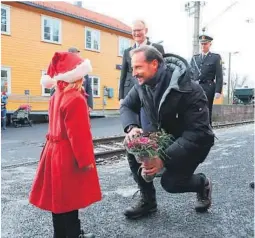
143	43
205	54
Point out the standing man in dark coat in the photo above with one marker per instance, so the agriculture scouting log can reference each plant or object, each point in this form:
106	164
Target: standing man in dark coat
207	68
175	103
127	81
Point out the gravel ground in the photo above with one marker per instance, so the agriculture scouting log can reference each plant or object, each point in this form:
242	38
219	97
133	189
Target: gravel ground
229	165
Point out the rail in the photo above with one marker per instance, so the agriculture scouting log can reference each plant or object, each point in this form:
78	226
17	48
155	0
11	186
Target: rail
112	147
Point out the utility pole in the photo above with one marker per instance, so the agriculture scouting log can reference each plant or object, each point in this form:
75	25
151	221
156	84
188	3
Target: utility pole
229	75
193	8
196	28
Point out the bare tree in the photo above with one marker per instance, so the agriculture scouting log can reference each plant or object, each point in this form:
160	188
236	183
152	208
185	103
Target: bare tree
237	82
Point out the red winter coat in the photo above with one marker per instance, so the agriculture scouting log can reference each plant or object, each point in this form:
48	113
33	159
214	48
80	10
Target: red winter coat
61	183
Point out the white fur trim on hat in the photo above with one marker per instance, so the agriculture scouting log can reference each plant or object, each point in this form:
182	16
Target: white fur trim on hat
71	76
77	73
47	81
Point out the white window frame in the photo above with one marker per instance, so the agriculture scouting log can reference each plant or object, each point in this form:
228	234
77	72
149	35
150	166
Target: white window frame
43	17
43	72
8	20
123	39
92	45
9	81
92	85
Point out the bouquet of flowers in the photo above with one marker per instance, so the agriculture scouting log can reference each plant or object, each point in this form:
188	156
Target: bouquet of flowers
146	146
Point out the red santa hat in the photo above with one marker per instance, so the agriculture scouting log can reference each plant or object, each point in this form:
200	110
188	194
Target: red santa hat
67	67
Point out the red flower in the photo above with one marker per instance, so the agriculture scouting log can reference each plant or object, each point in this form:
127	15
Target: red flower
144	140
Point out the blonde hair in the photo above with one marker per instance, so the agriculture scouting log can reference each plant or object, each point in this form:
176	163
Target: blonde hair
76	85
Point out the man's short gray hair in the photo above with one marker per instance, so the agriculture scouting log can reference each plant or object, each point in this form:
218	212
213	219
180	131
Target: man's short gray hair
139	21
150	53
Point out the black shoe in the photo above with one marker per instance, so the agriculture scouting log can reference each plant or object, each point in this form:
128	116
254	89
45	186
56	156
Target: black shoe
83	235
204	199
142	208
252	184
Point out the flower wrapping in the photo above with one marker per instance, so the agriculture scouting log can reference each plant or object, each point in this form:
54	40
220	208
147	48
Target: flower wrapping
145	147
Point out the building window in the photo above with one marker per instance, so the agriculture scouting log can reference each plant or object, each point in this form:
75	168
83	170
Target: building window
95	84
45	91
92	39
5	19
51	30
6	80
124	43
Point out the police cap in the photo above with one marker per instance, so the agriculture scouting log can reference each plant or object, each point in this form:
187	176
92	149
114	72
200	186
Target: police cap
205	38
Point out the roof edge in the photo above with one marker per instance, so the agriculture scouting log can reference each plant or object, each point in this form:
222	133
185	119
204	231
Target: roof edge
32	4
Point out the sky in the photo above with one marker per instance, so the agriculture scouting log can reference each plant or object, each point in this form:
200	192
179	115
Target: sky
168	21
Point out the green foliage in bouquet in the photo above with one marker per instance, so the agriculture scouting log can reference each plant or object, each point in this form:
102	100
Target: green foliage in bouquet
149	145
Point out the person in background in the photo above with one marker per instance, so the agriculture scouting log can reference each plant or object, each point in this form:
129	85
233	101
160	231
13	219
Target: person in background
208	71
66	179
127	81
4	101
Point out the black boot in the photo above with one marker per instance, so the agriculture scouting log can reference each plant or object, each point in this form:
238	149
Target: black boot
252	184
204	198
146	204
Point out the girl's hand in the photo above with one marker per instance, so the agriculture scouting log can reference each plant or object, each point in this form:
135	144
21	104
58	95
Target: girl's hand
91	166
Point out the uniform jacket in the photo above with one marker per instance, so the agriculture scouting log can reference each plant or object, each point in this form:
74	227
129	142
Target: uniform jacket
180	108
61	183
127	81
208	69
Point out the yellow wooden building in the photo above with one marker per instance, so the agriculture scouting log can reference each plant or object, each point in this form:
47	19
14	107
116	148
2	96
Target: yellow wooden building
33	31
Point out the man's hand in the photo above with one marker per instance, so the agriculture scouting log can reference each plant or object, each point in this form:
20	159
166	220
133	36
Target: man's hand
217	95
90	109
130	135
154	166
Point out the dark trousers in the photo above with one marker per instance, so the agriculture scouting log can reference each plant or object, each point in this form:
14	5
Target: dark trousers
178	177
134	166
3	118
66	225
209	88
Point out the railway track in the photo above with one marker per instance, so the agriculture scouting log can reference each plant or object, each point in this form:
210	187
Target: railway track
111	148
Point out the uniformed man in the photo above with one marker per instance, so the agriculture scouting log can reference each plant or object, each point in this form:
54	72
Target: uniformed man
207	67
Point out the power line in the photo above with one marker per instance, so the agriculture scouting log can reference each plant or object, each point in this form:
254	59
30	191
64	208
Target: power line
219	15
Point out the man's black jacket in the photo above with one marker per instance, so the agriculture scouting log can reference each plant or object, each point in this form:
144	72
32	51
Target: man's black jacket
180	108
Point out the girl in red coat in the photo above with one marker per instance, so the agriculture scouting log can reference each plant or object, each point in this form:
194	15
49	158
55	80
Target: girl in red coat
66	178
